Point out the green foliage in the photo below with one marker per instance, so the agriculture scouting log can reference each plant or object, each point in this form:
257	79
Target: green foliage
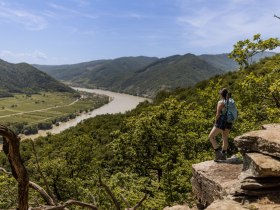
246	49
8	192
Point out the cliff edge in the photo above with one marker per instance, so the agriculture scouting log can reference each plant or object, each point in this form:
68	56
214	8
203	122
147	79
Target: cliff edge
251	183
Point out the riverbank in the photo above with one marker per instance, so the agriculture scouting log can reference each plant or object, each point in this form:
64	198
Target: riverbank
119	103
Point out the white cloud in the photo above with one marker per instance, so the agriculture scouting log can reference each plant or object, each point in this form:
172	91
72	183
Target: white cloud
17	57
209	27
72	11
29	20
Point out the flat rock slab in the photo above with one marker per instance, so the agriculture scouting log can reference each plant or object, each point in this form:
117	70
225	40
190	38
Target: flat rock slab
262	165
233	205
271	126
178	207
212	181
261	183
264	141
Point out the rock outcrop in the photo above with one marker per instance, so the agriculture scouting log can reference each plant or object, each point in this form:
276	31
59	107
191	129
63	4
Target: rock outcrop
212	181
261	153
235	185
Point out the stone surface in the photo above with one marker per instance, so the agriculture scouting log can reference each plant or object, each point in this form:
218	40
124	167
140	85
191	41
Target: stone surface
262	165
264	141
225	205
260	183
212	181
233	205
177	207
254	185
271	126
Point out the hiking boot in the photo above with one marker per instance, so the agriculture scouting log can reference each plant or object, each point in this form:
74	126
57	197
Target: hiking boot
218	156
224	156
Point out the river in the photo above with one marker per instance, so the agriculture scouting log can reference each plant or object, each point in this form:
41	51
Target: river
119	103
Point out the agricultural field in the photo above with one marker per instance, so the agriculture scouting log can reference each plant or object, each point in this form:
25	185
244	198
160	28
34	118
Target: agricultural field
45	107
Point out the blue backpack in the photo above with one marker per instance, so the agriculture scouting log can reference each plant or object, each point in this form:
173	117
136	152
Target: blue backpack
231	110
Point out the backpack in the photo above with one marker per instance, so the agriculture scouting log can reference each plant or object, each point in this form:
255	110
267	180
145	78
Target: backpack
231	110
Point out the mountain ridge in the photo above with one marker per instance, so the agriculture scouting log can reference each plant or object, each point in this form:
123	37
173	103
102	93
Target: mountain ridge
144	75
24	78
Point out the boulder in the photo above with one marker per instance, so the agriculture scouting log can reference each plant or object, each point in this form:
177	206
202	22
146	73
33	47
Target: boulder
253	183
264	141
262	165
233	205
226	205
271	126
212	181
178	207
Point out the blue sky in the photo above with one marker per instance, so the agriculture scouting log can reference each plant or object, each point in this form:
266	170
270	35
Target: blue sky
73	31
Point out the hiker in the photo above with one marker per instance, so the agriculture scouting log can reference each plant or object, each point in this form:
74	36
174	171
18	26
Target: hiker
225	116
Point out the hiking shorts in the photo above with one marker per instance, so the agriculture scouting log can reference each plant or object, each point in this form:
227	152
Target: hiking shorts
223	124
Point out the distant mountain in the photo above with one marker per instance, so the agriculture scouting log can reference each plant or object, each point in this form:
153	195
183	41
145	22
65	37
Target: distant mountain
169	73
108	74
68	72
221	61
145	75
24	78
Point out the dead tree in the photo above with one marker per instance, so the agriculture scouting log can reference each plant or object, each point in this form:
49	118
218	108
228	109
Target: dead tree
115	201
11	149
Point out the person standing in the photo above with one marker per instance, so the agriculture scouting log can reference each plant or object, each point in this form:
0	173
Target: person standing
222	125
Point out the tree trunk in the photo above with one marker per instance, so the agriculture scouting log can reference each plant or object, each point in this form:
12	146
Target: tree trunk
11	149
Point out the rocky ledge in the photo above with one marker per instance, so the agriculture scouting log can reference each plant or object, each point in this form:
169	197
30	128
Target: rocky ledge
253	184
212	181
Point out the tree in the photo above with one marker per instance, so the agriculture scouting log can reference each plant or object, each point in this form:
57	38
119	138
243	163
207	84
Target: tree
11	149
244	50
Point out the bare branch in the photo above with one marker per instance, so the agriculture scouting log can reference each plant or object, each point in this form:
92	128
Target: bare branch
140	202
42	175
125	201
277	16
43	193
69	203
110	193
5	171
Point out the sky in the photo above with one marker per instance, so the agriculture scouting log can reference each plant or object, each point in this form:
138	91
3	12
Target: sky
57	32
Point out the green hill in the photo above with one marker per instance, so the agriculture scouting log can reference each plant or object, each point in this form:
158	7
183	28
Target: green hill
136	75
24	78
100	73
68	72
169	73
145	75
221	61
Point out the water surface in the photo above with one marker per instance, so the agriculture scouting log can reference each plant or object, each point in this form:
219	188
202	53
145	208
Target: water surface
119	103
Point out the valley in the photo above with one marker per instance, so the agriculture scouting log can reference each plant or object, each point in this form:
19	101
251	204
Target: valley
29	113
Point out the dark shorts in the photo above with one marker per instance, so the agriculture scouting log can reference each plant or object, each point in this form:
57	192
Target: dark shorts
222	124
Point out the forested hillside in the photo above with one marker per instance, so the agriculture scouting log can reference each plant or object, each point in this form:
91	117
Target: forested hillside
145	75
169	73
149	150
24	78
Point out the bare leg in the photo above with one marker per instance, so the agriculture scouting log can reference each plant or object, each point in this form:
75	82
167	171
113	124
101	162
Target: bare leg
212	136
225	134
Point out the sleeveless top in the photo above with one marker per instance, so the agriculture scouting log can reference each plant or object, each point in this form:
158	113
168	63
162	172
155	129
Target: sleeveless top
223	112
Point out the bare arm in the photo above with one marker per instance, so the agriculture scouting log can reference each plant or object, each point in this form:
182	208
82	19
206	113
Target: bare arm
220	106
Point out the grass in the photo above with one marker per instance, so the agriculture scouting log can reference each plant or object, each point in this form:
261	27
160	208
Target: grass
43	107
